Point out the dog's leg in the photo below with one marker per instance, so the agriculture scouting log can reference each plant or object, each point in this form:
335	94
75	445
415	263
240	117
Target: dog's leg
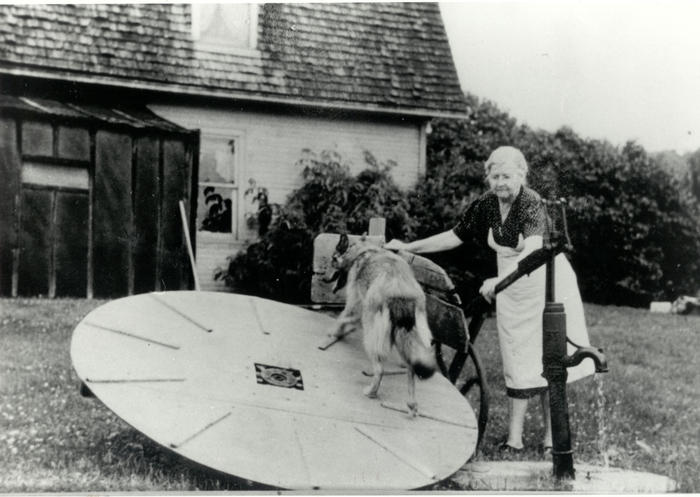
342	323
350	316
377	373
375	338
412	404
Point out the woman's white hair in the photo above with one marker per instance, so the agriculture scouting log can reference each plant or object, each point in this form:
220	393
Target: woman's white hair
504	155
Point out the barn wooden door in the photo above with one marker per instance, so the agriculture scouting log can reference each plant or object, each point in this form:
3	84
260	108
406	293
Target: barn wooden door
53	242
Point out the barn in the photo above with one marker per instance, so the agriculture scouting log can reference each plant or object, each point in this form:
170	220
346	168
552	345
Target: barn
84	199
110	114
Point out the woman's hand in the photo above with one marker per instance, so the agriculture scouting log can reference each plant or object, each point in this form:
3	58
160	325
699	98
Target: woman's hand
395	245
488	289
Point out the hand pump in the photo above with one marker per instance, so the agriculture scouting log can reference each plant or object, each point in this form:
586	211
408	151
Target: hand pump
555	360
554	355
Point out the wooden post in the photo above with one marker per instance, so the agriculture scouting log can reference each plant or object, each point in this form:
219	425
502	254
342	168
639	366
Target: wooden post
186	229
377	226
52	245
90	292
16	250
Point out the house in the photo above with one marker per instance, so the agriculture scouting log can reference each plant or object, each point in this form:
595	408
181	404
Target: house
233	92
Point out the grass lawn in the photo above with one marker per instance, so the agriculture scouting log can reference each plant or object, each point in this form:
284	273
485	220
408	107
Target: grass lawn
52	439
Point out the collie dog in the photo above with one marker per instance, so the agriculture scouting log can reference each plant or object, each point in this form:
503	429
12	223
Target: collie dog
384	298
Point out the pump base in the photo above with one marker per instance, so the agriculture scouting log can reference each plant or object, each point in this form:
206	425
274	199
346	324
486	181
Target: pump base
537	475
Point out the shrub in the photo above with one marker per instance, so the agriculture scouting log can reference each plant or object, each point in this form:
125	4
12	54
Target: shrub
635	237
279	264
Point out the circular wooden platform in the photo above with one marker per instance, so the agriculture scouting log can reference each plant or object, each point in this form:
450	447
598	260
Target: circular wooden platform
239	384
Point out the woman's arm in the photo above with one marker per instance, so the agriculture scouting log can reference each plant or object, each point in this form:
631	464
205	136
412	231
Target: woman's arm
442	241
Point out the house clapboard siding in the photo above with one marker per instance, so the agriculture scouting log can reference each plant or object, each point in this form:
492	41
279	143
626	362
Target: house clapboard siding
272	144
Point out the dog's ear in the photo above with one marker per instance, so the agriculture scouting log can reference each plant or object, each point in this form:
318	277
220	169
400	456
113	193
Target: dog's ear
343	244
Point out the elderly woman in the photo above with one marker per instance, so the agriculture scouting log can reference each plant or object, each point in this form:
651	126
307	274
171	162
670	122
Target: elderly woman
510	218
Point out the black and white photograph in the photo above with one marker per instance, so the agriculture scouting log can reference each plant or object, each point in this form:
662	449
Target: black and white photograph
350	247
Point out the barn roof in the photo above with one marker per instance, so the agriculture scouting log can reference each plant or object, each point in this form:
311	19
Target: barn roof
129	116
386	57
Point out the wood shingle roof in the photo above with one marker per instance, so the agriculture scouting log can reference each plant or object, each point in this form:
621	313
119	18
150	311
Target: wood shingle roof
371	56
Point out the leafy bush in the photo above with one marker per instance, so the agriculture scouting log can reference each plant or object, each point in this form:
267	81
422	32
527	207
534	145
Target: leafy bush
636	239
279	264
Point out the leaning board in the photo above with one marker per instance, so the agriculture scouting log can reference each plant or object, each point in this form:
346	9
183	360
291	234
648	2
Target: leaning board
239	384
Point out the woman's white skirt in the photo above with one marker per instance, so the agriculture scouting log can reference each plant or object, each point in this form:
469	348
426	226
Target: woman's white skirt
519	320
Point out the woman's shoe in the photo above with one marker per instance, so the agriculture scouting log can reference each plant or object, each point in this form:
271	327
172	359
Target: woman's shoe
505	448
544	450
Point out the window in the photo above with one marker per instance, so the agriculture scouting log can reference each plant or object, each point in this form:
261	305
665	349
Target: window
225	27
216	205
61	177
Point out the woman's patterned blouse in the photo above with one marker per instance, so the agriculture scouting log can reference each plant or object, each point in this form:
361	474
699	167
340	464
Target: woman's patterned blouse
526	217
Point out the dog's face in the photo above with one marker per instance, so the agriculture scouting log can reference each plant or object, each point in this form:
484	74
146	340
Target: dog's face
343	258
339	260
340	263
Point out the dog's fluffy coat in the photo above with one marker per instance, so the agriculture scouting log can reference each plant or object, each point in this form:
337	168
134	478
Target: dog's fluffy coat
384	298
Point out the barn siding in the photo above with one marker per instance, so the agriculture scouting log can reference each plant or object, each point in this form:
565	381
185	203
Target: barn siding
9	190
35	241
71	243
73	143
112	214
146	213
175	188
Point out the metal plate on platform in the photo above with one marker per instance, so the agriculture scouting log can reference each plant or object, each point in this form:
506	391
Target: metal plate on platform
240	385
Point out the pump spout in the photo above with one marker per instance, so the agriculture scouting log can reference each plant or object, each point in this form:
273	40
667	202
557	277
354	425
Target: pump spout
601	363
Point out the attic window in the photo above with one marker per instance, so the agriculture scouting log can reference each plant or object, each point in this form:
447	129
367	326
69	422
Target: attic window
225	27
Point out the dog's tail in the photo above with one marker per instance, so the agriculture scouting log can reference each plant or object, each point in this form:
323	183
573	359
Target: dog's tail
408	334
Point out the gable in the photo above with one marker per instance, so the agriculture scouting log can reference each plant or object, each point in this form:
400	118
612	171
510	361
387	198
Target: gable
370	56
